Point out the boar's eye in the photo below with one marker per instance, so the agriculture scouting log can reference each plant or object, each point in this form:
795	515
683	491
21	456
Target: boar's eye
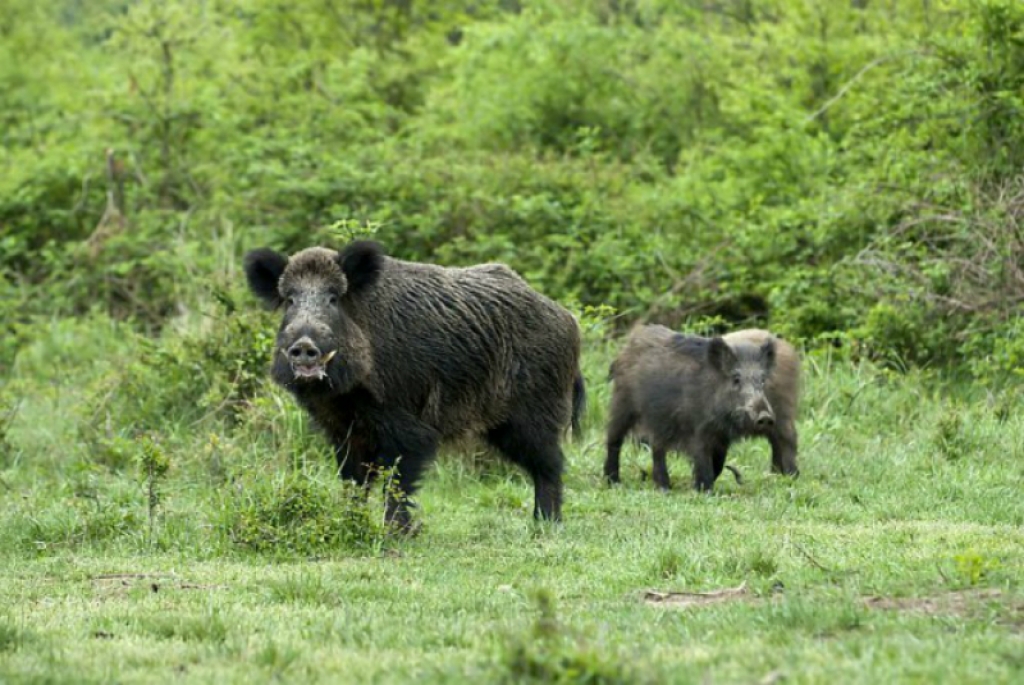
735	380
291	301
332	299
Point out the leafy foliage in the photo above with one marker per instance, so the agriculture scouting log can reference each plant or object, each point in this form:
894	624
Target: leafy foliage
758	161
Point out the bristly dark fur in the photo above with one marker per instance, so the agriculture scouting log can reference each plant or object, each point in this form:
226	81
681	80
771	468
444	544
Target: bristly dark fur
361	261
698	395
263	269
418	354
579	403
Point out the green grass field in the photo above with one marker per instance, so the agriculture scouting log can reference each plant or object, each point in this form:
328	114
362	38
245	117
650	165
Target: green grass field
898	555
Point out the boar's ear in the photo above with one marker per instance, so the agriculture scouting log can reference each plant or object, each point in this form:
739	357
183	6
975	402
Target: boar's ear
361	262
767	354
263	269
721	355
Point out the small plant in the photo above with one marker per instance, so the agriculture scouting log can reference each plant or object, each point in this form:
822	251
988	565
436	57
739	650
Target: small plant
551	653
951	439
153	466
972	567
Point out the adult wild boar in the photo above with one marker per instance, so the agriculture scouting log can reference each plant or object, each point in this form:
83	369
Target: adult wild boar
698	395
390	358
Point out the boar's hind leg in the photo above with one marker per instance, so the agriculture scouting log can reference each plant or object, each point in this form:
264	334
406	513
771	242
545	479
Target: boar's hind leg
783	440
621	421
538	452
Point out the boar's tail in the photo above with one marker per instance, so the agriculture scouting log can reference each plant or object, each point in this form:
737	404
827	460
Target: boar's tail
579	402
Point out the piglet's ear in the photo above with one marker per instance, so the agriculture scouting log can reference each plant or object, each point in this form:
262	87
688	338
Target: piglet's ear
361	261
263	269
721	355
767	354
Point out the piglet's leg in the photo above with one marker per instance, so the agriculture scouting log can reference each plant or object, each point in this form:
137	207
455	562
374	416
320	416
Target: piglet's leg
783	440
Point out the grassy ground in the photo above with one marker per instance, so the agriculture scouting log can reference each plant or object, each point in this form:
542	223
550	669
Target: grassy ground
898	555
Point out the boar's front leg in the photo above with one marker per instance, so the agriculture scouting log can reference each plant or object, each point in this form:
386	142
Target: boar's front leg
718	460
708	462
659	468
356	457
407	446
400	489
783	440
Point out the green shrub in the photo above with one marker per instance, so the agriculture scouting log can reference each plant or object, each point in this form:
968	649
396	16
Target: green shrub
211	375
295	513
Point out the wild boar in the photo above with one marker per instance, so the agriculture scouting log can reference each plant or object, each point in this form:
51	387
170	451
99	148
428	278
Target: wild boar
390	358
699	395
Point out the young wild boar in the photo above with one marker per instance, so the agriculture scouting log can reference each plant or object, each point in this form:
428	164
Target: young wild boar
698	395
390	358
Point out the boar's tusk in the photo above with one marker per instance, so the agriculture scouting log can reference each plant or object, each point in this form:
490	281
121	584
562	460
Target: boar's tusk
328	357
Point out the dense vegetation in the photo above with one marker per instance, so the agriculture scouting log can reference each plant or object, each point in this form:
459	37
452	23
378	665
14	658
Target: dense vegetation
848	169
848	173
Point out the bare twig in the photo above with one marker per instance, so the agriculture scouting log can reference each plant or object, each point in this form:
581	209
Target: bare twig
849	84
807	555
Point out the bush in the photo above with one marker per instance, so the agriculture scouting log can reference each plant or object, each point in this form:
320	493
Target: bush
189	378
297	513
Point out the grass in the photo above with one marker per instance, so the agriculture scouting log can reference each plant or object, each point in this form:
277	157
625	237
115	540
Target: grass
897	556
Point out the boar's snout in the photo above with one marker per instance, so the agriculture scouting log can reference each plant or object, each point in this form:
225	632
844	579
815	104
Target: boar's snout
304	352
306	360
761	413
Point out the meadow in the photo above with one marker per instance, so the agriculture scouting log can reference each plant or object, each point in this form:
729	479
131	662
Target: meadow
846	173
222	549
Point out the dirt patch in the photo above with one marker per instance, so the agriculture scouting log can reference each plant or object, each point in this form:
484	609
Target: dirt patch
687	600
957	603
961	603
113	583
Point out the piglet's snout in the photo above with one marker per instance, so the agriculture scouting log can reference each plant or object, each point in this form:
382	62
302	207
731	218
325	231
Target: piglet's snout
761	414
